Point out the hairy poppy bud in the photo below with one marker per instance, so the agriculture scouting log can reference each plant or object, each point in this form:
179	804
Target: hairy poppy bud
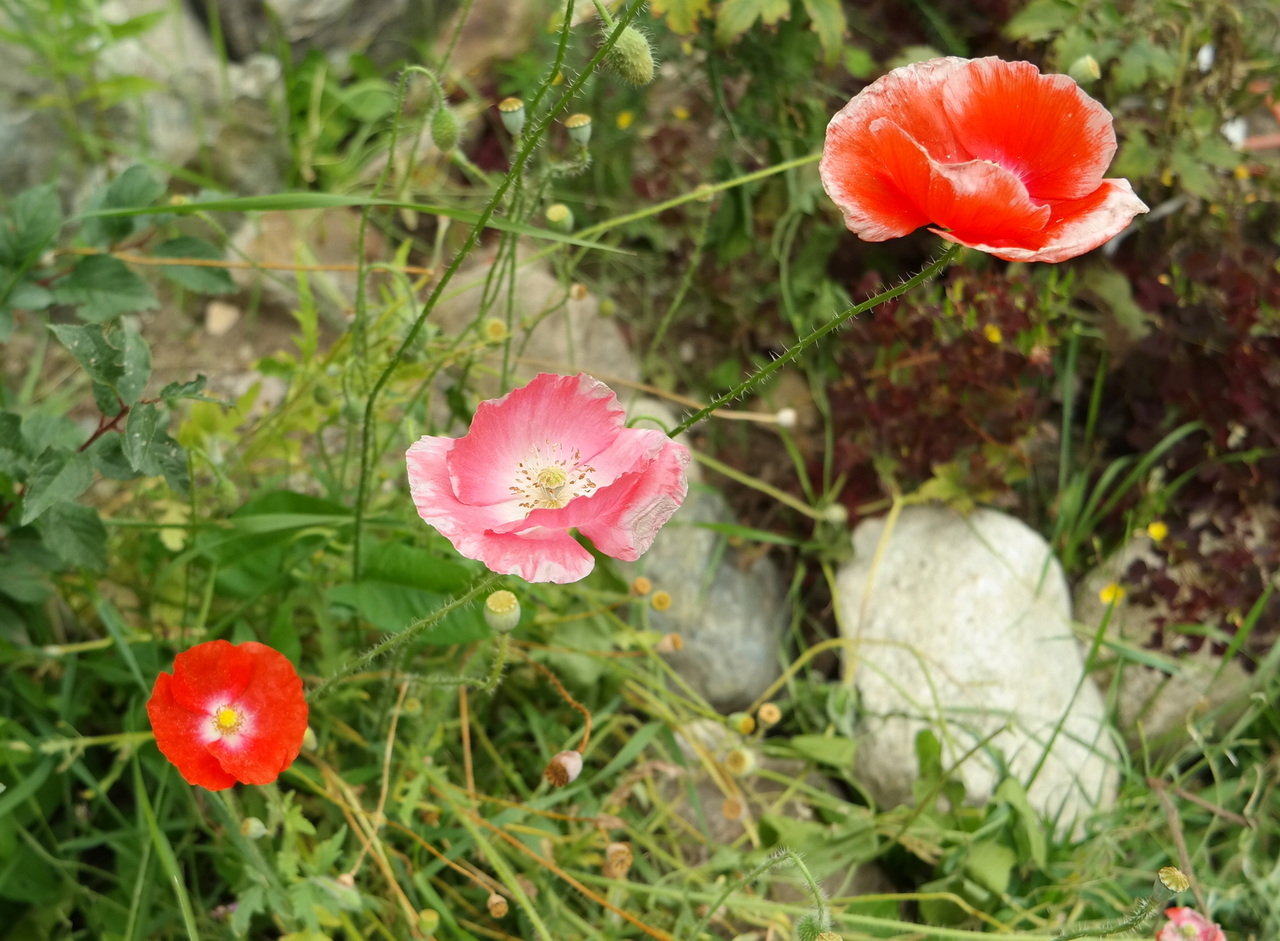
632	57
511	110
444	128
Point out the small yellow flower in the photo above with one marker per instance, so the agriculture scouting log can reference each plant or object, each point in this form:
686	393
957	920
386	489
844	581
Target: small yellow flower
1111	593
992	333
1157	531
1241	172
624	119
661	600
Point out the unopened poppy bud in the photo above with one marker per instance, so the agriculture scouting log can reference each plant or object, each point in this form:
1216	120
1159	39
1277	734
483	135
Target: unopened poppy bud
497	905
511	110
579	128
742	723
768	714
617	860
559	218
1085	70
502	611
632	57
740	761
444	128
564	768
309	740
252	828
428	921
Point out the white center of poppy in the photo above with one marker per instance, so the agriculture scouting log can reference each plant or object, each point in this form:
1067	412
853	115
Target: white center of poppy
546	481
227	720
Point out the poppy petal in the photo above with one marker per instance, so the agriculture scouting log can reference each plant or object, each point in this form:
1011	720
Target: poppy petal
537	554
180	735
1053	136
210	674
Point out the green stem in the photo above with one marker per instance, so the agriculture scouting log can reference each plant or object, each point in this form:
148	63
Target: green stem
1141	912
764	372
775	859
760	486
396	640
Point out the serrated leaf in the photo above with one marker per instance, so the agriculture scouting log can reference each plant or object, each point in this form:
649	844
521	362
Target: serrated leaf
192	277
136	188
99	357
682	15
136	357
27	295
35	216
173	465
13	458
107	455
830	24
1196	178
57	475
250	902
104	288
76	534
142	438
735	17
23	581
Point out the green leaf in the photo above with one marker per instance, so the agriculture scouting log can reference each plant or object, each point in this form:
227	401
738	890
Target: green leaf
186	390
1030	830
990	864
250	902
13	458
136	357
1196	178
682	15
107	454
75	532
22	581
825	749
58	475
1040	20
416	568
195	278
143	438
104	288
830	25
27	295
35	216
88	343
391	607
735	17
134	189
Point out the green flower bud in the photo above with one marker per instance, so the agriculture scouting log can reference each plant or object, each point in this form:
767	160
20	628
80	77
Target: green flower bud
559	218
511	110
444	129
252	828
632	57
579	128
1085	70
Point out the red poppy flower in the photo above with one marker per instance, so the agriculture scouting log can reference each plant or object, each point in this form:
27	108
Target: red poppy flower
995	155
229	713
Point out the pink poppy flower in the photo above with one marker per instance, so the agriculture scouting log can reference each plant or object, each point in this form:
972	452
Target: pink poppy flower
992	153
544	459
1186	924
229	713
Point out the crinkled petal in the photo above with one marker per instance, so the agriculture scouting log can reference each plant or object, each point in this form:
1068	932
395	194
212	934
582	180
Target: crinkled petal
210	674
1075	227
577	414
275	710
874	204
629	514
536	555
432	492
179	736
1043	128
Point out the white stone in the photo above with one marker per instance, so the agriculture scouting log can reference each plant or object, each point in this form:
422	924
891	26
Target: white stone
961	625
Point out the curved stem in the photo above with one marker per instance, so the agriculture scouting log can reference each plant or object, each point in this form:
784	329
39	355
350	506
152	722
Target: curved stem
764	372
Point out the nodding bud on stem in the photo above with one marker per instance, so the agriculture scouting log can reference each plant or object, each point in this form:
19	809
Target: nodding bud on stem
511	110
632	57
502	611
564	768
444	129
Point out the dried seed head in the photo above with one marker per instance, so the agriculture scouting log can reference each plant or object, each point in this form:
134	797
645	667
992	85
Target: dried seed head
617	860
502	611
347	880
740	761
579	128
564	768
497	905
669	643
732	808
768	714
1170	880
641	585
632	57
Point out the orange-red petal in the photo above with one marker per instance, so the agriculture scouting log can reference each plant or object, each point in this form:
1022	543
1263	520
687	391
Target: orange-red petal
178	733
210	674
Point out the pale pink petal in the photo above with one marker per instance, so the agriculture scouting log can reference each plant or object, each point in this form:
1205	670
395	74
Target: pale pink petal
1077	226
536	555
1044	128
565	416
432	493
874	204
629	514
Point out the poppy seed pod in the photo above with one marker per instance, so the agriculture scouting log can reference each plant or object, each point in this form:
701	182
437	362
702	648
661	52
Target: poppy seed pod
497	905
511	110
502	612
579	128
564	768
559	218
617	860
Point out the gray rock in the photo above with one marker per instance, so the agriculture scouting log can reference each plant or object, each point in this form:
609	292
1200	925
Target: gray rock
731	619
1153	704
962	625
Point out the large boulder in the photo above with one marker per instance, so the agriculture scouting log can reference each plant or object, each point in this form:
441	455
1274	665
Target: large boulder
962	625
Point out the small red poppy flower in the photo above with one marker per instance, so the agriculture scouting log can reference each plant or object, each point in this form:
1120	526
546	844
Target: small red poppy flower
229	713
1186	924
993	154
